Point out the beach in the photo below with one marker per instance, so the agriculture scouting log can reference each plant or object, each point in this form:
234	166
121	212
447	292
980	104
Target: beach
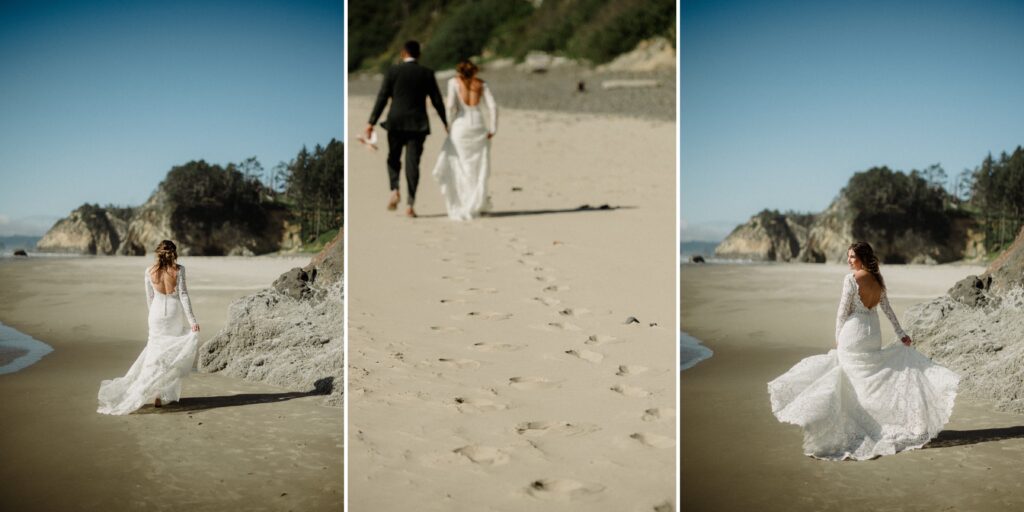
494	366
760	320
229	444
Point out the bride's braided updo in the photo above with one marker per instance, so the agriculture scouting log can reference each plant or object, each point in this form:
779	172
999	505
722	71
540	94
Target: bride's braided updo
867	257
466	70
166	256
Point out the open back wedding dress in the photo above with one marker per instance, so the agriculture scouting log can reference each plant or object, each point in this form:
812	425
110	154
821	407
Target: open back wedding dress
861	401
168	356
464	164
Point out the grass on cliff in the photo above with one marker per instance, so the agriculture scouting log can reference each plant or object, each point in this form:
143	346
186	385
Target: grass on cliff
321	241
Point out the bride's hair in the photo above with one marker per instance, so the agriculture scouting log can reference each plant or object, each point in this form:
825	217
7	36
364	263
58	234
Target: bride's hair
166	256
867	257
466	69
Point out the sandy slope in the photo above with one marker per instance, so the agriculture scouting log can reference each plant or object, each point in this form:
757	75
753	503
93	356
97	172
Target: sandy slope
491	365
227	444
760	320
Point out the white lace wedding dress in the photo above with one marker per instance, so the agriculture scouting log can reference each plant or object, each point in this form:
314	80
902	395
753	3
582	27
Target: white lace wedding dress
168	356
861	401
464	165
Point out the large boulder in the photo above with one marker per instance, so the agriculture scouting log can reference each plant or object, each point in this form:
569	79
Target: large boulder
767	236
289	334
89	229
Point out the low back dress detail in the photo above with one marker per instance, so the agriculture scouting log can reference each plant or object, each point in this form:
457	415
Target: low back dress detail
167	358
860	400
464	164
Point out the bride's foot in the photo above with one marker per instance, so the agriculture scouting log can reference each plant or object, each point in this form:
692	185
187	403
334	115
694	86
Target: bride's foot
158	403
393	202
411	213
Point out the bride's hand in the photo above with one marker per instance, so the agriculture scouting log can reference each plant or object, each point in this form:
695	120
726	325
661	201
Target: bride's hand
490	135
369	131
195	327
906	340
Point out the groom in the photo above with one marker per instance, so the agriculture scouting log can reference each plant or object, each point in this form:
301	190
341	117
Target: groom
408	85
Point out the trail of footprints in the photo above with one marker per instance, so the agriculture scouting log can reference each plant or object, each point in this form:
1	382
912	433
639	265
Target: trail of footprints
558	489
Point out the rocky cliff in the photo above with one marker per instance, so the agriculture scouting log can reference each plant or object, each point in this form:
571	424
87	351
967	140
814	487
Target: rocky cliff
767	236
290	334
89	229
211	231
976	330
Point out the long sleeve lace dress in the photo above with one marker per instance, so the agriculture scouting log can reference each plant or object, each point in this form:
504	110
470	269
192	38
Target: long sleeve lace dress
860	400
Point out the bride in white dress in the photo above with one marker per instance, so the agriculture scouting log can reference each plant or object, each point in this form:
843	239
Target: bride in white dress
171	348
860	400
464	164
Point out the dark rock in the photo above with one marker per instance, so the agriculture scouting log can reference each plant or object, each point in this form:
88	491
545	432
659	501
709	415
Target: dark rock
21	252
972	291
294	283
697	258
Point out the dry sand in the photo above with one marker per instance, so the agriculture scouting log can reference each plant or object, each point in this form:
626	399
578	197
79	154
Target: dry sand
762	319
228	445
491	368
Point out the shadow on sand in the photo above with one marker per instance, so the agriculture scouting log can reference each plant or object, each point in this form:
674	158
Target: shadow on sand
518	213
202	403
949	438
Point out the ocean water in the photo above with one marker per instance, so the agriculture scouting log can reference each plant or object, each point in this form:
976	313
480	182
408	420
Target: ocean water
691	351
18	350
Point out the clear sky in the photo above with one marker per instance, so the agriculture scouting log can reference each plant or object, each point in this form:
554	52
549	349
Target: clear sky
782	101
98	100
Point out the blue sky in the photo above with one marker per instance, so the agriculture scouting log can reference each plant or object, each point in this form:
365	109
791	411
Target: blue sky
98	100
781	102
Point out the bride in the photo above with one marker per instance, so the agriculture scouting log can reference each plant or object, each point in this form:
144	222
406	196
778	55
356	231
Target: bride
464	164
862	401
171	348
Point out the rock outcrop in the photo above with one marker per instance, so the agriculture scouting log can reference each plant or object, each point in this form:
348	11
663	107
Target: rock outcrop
89	229
649	55
290	334
976	330
767	236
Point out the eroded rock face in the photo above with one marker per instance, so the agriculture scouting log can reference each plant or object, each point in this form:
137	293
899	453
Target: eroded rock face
767	236
89	229
977	330
290	334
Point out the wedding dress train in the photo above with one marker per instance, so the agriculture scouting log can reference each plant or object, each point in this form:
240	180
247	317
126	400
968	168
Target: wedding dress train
168	356
860	400
464	165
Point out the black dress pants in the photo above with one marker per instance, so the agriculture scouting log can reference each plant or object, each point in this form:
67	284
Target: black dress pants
413	141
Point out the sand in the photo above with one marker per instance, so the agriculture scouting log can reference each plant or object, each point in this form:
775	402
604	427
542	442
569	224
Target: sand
228	444
491	366
762	319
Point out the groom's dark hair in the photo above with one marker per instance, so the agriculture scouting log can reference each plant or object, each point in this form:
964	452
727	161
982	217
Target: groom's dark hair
412	48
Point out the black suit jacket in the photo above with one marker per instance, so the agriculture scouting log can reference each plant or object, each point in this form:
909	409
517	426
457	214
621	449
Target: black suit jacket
408	85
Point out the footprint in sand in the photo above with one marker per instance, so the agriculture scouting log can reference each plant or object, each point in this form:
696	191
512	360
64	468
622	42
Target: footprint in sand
540	428
531	383
664	506
547	301
600	339
656	413
559	326
544	279
633	391
458	363
562	489
475	291
653	440
586	355
454	278
444	328
489	315
484	346
478	404
484	455
453	301
556	288
625	370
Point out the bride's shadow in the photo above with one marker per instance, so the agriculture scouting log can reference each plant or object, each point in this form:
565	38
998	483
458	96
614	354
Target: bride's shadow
950	438
321	387
545	211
